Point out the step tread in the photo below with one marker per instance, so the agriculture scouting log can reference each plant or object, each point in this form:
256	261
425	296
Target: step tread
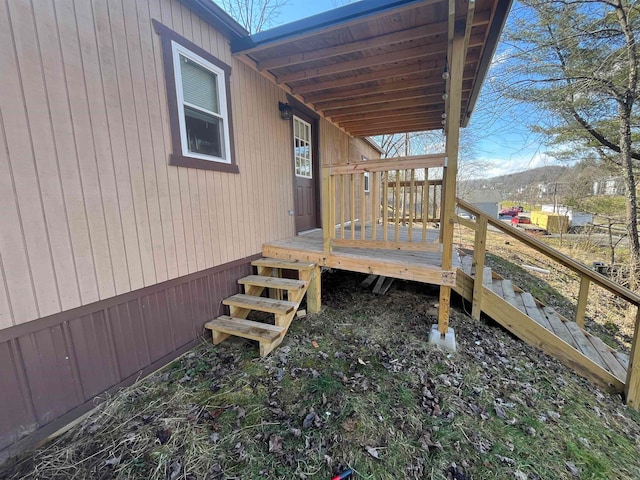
262	332
273	282
286	264
261	304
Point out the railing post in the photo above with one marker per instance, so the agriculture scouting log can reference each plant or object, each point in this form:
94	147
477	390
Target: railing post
581	309
479	249
326	209
632	385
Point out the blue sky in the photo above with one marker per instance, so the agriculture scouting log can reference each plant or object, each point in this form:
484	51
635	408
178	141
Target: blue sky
500	137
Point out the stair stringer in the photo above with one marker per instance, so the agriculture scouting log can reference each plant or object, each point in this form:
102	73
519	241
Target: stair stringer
528	330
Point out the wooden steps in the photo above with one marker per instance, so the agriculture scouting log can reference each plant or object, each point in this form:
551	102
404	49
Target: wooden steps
260	304
543	327
273	282
269	278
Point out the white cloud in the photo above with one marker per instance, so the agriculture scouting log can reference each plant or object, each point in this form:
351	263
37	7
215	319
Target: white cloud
518	164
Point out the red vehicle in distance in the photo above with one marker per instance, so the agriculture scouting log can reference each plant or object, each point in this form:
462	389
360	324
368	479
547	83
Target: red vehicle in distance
520	219
510	212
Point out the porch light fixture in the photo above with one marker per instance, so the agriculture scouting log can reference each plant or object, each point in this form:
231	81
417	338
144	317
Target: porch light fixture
286	111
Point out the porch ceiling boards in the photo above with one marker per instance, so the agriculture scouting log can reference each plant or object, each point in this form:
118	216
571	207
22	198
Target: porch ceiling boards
377	66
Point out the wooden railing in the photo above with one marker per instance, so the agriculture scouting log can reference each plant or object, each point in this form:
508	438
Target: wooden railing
585	274
399	194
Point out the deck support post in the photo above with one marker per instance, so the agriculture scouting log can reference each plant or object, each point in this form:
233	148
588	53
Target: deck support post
478	263
314	292
458	32
632	384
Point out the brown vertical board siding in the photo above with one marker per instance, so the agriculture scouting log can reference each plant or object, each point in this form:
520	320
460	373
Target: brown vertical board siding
35	91
19	145
12	392
141	102
113	112
131	122
96	361
102	143
155	101
84	141
54	365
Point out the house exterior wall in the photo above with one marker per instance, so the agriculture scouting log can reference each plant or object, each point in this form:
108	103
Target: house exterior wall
111	259
91	208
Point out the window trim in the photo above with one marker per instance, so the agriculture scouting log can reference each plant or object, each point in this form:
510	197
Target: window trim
306	124
169	38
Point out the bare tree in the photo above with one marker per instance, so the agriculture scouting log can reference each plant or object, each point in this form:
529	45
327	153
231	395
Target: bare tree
254	15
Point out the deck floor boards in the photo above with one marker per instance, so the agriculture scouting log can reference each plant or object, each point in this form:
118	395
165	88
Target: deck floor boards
405	264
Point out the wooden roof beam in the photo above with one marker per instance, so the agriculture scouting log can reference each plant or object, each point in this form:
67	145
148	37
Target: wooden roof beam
428	81
383	88
387	113
421	93
417	124
366	62
424	66
393	130
385	106
382	120
311	27
423	31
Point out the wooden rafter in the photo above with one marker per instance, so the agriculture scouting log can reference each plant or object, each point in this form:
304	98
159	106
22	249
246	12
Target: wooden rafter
416	68
332	28
386	106
366	62
423	31
422	93
381	88
424	109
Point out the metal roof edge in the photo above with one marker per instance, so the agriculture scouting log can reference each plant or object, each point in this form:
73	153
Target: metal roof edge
497	25
373	144
317	22
217	17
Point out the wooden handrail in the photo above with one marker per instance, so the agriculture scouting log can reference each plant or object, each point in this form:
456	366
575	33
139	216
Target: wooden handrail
388	164
568	262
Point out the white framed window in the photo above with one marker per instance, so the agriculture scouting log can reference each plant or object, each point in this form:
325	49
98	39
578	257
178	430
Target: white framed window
199	104
302	148
202	106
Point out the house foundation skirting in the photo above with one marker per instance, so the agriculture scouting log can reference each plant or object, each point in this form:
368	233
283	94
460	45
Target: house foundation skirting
53	368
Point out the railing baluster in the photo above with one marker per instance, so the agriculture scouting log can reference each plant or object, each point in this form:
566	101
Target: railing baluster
385	206
352	191
425	205
374	188
397	215
334	199
343	203
412	193
363	209
326	202
478	261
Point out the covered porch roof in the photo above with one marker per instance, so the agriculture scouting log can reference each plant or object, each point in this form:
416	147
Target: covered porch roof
378	66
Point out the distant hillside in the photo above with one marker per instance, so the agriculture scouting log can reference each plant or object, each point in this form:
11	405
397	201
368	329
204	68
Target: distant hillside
509	186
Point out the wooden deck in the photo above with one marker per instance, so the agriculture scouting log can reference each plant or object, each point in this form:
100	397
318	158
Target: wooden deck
543	327
416	265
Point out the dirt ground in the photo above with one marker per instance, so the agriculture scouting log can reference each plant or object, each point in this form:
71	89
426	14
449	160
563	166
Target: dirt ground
356	386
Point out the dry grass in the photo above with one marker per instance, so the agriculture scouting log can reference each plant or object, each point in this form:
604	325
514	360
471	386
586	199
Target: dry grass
495	409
